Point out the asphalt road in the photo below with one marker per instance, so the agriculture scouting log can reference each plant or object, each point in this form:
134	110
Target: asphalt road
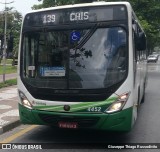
146	129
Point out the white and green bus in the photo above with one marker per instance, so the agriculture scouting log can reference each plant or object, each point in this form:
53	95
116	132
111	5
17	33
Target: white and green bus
82	66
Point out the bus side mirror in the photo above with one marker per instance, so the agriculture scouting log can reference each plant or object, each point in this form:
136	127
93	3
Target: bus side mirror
141	41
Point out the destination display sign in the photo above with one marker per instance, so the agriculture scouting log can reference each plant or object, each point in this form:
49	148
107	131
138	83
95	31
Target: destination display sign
76	15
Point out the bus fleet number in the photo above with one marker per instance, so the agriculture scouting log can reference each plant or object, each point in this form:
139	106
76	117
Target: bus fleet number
94	109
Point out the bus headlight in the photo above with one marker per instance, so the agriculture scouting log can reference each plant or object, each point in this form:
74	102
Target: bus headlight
25	102
119	104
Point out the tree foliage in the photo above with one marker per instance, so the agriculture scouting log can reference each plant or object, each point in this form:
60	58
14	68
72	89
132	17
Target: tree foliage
14	20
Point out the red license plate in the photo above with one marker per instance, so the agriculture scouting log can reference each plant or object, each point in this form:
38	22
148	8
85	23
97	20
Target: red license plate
72	125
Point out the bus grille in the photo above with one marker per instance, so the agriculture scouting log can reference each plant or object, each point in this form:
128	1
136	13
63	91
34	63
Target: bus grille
83	122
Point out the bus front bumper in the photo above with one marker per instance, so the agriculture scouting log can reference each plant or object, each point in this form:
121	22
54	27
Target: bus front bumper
119	121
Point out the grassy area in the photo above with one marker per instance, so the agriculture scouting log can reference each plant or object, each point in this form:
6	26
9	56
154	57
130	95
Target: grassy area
8	61
9	69
8	83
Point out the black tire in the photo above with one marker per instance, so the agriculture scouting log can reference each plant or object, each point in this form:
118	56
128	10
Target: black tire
143	98
138	101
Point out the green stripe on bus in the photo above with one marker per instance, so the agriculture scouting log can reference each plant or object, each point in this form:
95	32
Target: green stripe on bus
76	107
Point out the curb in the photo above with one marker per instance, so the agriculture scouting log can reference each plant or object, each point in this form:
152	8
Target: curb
9	126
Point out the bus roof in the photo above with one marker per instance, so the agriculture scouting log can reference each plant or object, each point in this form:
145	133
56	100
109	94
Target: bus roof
100	3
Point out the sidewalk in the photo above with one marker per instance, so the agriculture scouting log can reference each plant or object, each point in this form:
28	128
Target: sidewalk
9	115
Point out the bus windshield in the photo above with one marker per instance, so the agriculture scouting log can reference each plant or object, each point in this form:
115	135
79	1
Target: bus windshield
89	58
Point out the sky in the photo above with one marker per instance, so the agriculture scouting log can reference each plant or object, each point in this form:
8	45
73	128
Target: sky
22	6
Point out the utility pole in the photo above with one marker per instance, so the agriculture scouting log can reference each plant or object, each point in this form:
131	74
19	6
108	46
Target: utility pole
5	41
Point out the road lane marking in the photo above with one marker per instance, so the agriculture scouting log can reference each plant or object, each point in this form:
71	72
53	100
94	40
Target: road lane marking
16	135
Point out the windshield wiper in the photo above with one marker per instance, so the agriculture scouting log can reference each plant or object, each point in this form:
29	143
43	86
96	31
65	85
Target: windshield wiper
86	37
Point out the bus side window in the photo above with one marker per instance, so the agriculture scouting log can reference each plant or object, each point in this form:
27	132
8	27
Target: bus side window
122	57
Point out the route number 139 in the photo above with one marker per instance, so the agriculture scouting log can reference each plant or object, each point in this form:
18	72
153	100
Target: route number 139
50	18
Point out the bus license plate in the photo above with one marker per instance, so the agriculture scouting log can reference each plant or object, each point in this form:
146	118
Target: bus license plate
72	125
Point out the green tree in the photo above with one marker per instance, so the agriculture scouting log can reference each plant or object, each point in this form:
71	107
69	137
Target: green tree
51	3
1	34
16	27
14	20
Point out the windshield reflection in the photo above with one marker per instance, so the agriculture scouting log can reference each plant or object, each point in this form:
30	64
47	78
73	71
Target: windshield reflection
75	59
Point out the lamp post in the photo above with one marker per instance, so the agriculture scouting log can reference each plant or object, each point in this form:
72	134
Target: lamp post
5	35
